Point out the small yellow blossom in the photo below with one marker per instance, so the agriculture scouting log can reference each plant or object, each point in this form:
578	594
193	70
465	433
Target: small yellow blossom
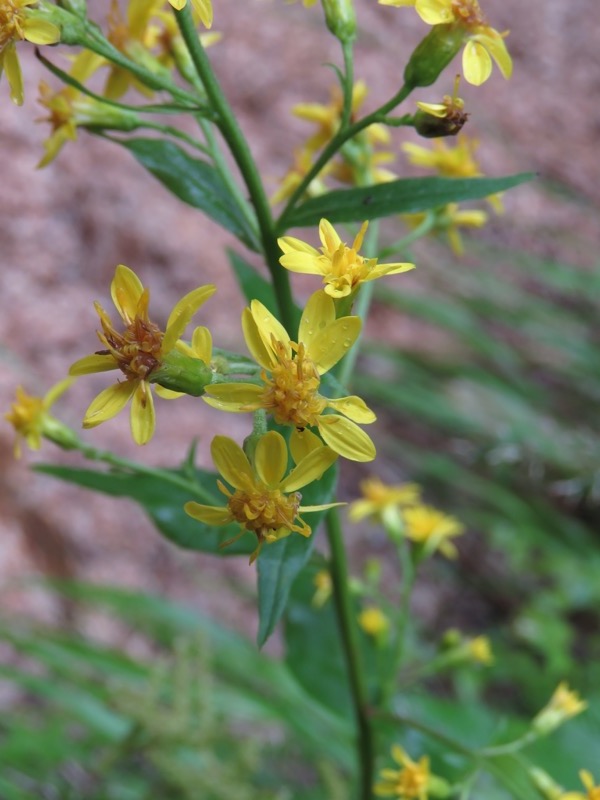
563	705
592	791
18	22
480	650
137	351
410	782
451	110
324	587
30	418
203	9
378	498
291	377
449	219
482	42
341	267
303	160
432	530
374	622
264	502
450	161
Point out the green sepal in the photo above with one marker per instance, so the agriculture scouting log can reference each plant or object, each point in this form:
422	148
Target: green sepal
182	373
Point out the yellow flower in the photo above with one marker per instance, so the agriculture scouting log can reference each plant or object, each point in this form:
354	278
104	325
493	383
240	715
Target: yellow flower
30	418
137	351
19	22
592	792
291	377
563	705
373	622
203	9
340	266
383	502
324	586
451	110
432	529
483	43
480	650
450	161
411	782
303	159
264	502
449	219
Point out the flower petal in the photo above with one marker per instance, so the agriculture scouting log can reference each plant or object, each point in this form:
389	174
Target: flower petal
435	12
310	469
40	31
318	313
210	515
167	394
108	403
269	326
126	290
94	363
332	343
322	507
204	10
346	438
494	44
304	263
353	407
271	458
231	461
142	418
329	237
56	391
476	62
10	61
289	244
379	270
237	397
302	443
262	354
182	314
202	344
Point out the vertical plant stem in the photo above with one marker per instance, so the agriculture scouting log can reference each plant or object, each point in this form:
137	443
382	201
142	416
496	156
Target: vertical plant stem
236	141
348	51
349	633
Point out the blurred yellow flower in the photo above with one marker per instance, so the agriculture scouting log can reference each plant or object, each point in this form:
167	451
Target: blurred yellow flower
480	650
410	782
482	42
432	530
383	502
137	351
264	502
291	377
203	9
592	792
324	587
564	704
449	219
18	22
303	159
30	418
374	622
340	266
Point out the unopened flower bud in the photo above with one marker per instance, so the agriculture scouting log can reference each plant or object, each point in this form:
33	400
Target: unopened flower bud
563	705
340	18
181	373
545	784
432	55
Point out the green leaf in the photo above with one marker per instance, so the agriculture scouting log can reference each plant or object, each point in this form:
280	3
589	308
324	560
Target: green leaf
252	284
194	181
407	195
163	502
280	562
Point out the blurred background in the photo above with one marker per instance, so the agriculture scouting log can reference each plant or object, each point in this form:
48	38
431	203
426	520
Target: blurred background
484	370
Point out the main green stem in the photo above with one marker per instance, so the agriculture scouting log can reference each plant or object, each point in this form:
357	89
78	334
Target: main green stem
349	633
236	141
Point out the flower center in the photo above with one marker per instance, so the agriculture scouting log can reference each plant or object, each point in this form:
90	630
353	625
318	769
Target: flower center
411	781
11	19
26	413
291	392
468	13
347	267
137	350
265	511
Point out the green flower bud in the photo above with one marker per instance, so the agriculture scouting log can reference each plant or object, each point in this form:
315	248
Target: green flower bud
433	55
56	431
340	19
180	373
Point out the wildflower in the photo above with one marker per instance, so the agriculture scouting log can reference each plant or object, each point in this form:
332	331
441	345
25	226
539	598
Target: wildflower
563	705
291	377
482	42
431	530
324	587
552	791
137	351
340	266
456	161
592	792
30	418
374	622
441	119
382	502
303	159
264	502
411	782
480	650
19	22
449	219
203	9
